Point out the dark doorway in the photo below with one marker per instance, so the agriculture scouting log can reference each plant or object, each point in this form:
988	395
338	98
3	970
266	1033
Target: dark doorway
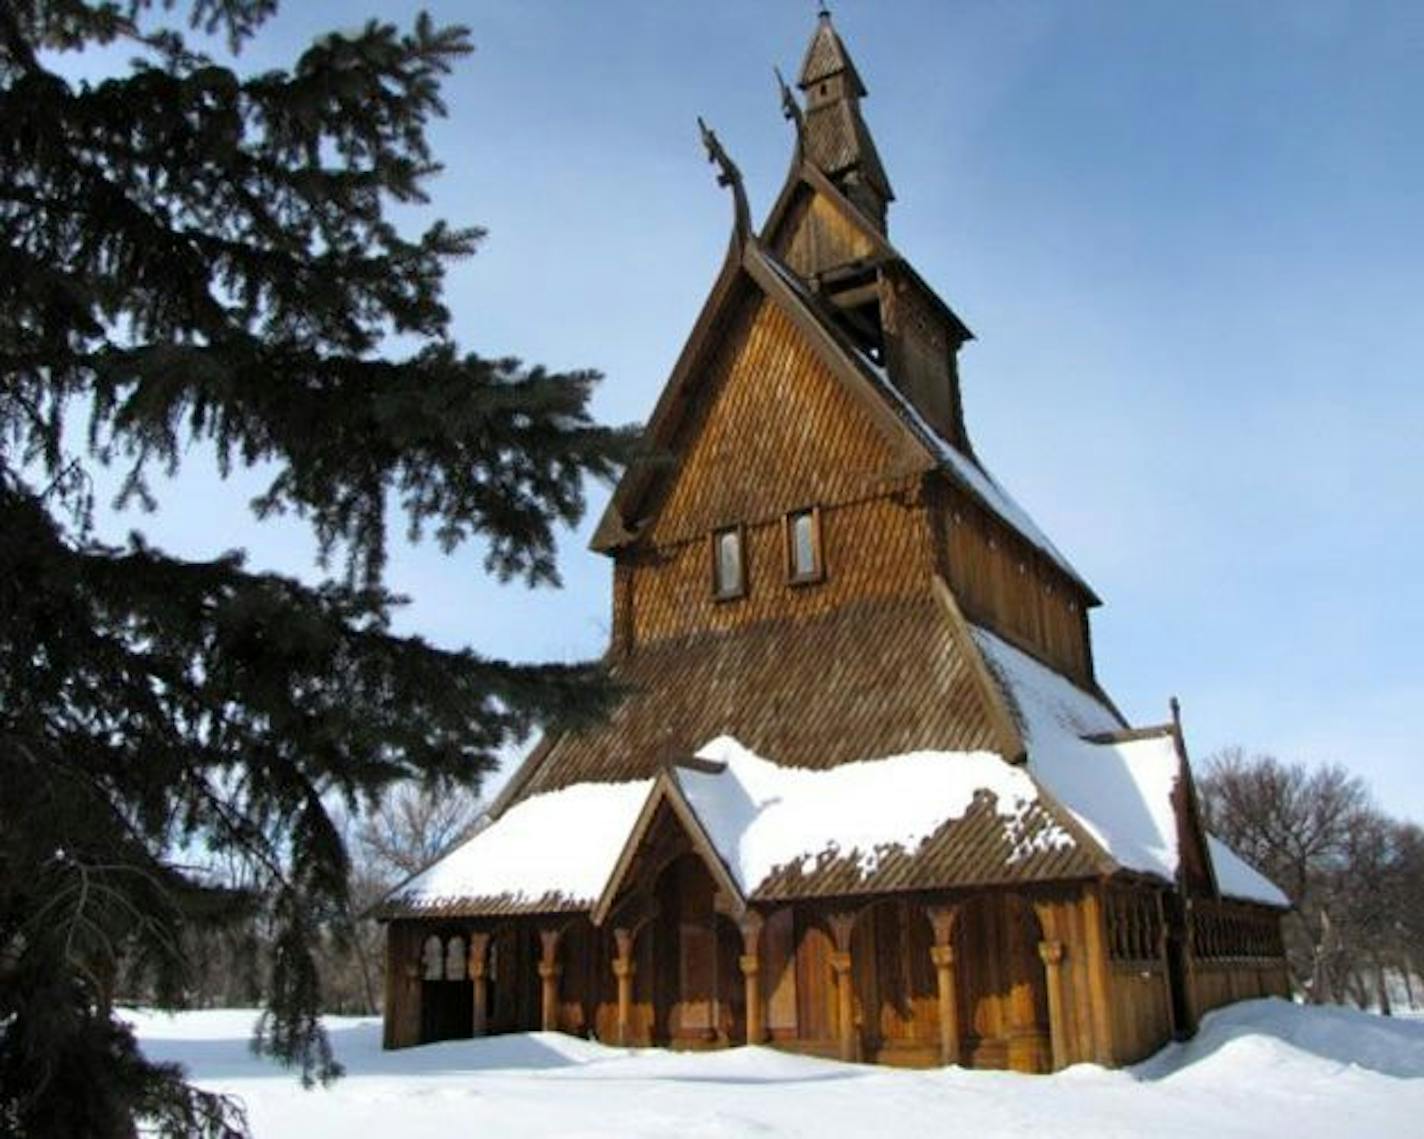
1182	1023
685	946
446	997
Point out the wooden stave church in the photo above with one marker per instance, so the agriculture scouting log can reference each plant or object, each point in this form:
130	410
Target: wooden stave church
886	599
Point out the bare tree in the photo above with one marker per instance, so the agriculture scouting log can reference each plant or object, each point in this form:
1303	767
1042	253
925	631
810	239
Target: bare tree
413	827
1296	825
403	834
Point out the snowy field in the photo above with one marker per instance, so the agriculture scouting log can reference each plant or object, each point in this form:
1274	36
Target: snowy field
1261	1068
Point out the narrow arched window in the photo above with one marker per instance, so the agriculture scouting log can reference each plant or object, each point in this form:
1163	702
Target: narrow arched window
729	570
455	959
433	956
804	559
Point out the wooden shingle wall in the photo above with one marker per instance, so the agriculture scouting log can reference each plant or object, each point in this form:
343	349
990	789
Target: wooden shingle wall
773	432
872	549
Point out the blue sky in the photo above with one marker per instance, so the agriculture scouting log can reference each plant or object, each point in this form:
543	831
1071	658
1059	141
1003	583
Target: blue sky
1189	238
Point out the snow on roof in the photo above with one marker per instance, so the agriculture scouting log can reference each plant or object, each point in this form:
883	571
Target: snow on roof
762	817
1237	878
562	847
965	469
1120	792
527	856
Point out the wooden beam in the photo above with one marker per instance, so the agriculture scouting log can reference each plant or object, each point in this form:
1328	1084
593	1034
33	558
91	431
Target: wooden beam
1099	978
623	970
750	962
549	971
1006	727
478	969
1051	951
401	1027
842	925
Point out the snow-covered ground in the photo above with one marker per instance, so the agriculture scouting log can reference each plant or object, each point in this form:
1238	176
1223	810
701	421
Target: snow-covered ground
1259	1068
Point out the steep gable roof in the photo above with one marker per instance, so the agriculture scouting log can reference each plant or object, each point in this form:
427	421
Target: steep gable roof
918	445
749	270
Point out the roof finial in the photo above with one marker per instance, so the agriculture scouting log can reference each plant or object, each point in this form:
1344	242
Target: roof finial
823	11
728	175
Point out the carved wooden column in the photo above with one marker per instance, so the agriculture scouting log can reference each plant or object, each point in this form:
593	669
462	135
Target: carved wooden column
750	962
549	970
478	966
842	925
1052	954
942	919
623	970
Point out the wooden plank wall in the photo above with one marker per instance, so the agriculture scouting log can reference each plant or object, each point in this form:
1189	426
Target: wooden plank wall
1141	1009
1002	582
1237	953
1217	983
1116	1006
1072	916
921	355
821	238
1141	994
896	995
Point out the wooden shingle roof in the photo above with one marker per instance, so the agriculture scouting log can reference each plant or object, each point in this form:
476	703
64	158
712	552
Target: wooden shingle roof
972	851
826	56
878	677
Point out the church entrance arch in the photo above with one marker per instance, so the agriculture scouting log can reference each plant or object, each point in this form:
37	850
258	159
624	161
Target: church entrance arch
1003	991
895	986
694	954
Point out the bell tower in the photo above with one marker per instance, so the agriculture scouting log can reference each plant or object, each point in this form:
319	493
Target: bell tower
837	139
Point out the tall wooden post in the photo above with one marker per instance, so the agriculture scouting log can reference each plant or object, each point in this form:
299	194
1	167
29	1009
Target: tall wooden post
1189	957
842	925
942	919
1052	954
478	968
549	970
402	1004
623	970
750	962
1099	976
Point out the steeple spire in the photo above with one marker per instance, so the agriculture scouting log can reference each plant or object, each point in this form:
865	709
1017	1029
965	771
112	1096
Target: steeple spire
837	139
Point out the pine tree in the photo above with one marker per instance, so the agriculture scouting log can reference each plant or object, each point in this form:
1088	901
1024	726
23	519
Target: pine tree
191	254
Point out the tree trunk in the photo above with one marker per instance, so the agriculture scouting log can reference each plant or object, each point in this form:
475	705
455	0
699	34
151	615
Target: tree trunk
1382	989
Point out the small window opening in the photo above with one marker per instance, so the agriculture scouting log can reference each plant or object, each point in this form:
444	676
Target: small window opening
434	959
804	561
729	578
455	959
